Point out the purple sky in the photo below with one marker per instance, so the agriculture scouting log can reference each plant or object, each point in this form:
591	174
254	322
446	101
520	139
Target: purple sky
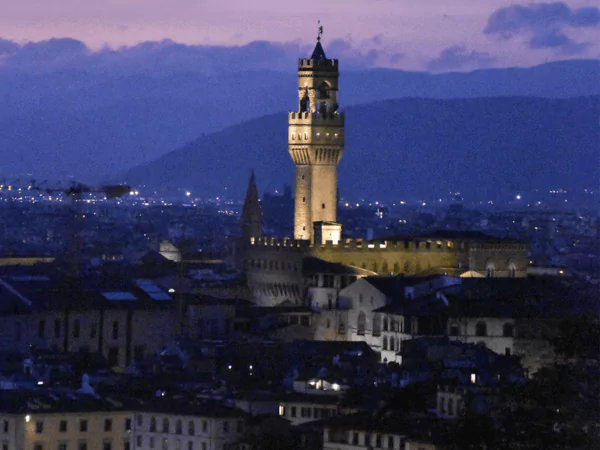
432	35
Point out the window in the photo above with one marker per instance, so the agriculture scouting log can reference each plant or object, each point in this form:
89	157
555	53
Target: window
165	425
165	444
41	329
151	442
454	330
443	404
293	411
62	446
507	330
450	407
39	427
140	420
480	329
177	444
392	343
190	445
361	324
355	438
367	439
191	427
507	351
76	329
385	324
390	442
115	330
376	326
378	441
107	445
138	441
57	328
93	330
107	424
385	343
490	269
62	426
240	426
126	445
82	445
204	426
83	426
38	447
153	424
204	446
127	424
226	427
323	206
5	426
178	427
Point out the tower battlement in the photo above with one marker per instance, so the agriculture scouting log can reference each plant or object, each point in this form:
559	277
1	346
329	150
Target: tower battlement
314	118
310	64
410	245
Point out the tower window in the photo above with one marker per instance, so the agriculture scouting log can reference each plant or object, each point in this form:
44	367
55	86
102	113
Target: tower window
303	199
303	228
303	177
323	206
305	135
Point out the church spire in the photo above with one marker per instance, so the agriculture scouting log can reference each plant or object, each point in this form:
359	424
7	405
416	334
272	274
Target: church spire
251	214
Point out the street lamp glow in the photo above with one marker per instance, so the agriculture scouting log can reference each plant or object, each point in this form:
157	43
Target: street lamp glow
518	196
188	193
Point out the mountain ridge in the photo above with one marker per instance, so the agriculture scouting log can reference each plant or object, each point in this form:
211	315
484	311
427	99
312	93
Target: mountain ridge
486	144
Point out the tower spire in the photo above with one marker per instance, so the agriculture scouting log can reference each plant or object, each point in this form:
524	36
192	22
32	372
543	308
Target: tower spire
251	214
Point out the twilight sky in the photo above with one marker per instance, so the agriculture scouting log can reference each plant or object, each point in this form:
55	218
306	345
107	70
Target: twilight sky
434	35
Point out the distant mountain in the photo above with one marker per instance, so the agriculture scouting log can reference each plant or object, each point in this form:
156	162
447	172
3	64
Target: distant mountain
408	147
90	121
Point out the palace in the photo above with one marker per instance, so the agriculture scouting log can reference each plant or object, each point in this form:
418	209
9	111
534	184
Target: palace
281	271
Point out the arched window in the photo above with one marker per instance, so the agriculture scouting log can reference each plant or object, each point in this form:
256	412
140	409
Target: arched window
153	424
392	343
385	343
508	330
512	270
454	329
165	428
375	267
385	268
323	90
385	324
406	267
376	326
178	427
191	428
480	329
361	324
396	268
490	269
450	406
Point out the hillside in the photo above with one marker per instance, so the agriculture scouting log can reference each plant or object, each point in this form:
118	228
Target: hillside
408	147
88	121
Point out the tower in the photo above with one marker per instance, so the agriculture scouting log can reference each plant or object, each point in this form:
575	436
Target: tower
251	215
316	142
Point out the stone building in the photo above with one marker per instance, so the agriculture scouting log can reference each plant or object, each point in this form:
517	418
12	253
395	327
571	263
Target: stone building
316	142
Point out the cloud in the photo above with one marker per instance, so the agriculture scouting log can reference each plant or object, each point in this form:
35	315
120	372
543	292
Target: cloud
545	23
458	57
168	56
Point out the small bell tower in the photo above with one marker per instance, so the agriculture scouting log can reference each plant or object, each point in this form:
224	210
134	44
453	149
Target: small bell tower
316	142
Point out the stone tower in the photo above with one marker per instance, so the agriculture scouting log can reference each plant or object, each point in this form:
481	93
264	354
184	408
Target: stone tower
316	143
251	215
